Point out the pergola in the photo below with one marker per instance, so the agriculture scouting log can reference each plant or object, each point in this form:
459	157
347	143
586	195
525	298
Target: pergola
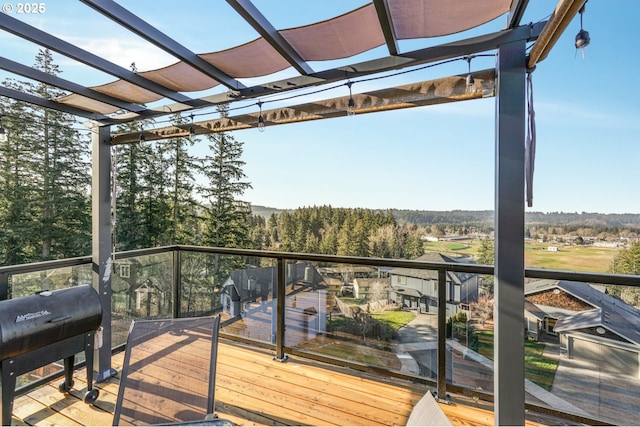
378	23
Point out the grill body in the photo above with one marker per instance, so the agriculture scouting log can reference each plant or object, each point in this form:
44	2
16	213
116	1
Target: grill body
43	328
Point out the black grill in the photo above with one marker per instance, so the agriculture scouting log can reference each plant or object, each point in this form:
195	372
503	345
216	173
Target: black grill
40	329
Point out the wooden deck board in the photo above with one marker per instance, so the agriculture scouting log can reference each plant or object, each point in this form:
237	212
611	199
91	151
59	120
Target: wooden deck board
253	389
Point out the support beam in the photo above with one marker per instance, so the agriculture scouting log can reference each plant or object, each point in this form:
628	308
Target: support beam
142	28
431	92
44	39
509	235
46	103
562	16
382	9
257	20
101	240
53	80
518	7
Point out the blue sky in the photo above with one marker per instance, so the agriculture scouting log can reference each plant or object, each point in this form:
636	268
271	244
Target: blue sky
431	158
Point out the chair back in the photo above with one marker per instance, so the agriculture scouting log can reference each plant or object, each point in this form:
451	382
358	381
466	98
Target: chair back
168	374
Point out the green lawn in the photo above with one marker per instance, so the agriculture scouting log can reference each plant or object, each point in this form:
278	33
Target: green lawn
537	255
538	369
395	319
464	247
573	258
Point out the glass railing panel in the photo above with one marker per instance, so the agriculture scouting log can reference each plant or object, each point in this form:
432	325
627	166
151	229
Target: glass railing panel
470	342
357	314
24	284
240	288
583	350
141	288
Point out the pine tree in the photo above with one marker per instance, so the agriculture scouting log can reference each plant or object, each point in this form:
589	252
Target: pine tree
155	197
128	222
18	240
63	167
45	208
183	224
227	217
627	261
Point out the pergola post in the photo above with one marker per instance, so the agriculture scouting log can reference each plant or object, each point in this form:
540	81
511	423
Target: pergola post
509	235
101	239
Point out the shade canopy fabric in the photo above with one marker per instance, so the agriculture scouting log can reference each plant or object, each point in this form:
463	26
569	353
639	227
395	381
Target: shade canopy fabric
374	25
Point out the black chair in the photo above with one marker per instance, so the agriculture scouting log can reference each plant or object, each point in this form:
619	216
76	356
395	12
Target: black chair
168	374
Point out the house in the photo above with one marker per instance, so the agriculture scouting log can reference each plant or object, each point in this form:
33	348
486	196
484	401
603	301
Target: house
371	288
418	289
590	324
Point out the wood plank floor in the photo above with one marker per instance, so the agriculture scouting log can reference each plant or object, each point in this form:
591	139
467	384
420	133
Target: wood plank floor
253	389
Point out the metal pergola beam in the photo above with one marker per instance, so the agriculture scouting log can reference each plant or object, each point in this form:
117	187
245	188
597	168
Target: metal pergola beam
42	102
409	59
441	52
44	39
50	79
137	25
516	12
384	17
256	19
415	58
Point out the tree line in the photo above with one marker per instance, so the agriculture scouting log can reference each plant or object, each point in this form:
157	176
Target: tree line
164	194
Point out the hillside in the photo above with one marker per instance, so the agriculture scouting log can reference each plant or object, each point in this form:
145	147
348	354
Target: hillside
575	219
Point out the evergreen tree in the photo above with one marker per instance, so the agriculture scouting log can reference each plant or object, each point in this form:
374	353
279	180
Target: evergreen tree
63	170
18	240
627	261
155	197
227	217
486	252
45	206
183	224
128	225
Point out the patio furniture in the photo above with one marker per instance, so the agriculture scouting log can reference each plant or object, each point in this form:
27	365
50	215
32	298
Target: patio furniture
168	374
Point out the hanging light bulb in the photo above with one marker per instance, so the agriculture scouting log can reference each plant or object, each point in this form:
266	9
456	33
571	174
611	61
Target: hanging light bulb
260	118
142	137
3	132
192	131
351	105
582	38
470	80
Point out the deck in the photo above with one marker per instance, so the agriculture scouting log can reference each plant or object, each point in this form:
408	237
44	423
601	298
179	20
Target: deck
253	389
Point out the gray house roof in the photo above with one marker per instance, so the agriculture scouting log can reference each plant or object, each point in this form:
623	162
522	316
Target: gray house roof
609	312
428	274
534	310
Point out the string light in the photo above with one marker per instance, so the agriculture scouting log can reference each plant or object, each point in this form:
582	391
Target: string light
142	137
351	105
192	131
470	80
582	38
260	118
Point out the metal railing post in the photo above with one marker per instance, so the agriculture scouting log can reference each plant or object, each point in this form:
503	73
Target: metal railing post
4	286
509	219
177	285
442	335
281	286
101	241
